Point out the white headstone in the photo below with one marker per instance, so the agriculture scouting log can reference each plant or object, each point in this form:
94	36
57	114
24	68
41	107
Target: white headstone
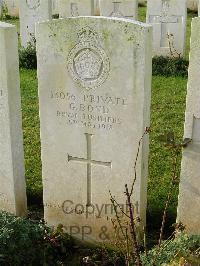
189	197
12	7
75	8
96	8
168	18
94	78
31	12
122	9
12	179
55	10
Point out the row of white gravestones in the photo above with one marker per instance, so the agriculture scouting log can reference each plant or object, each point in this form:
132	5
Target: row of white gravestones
12	179
92	119
31	12
13	6
168	18
108	8
189	197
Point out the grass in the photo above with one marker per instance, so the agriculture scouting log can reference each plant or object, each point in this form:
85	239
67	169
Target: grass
30	111
167	115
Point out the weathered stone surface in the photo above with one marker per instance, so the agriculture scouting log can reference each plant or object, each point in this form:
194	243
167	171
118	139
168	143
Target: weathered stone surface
168	18
31	12
12	180
75	8
122	9
94	87
189	197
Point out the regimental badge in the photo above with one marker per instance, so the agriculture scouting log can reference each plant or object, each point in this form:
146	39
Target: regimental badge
33	4
88	64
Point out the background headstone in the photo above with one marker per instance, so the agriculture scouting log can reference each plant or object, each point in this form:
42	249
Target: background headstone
31	12
12	179
122	9
1	7
199	8
189	195
75	8
94	78
142	2
13	7
55	10
168	18
192	4
96	8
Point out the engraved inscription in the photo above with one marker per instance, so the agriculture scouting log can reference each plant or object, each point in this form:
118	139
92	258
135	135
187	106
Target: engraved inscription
89	161
33	4
165	20
74	10
90	111
87	62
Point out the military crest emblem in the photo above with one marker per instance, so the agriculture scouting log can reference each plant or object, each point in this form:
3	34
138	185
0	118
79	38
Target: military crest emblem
33	4
88	64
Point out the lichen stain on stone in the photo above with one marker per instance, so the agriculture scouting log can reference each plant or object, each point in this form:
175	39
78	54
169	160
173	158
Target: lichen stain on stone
105	34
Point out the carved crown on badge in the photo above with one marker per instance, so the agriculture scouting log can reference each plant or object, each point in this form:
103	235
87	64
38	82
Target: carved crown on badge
88	34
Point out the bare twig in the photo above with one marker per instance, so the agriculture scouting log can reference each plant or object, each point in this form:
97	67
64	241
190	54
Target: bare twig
147	131
174	178
115	203
136	252
117	216
127	248
172	47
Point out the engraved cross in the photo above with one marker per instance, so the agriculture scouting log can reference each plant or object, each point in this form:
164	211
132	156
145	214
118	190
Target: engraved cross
89	161
116	12
165	20
74	10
